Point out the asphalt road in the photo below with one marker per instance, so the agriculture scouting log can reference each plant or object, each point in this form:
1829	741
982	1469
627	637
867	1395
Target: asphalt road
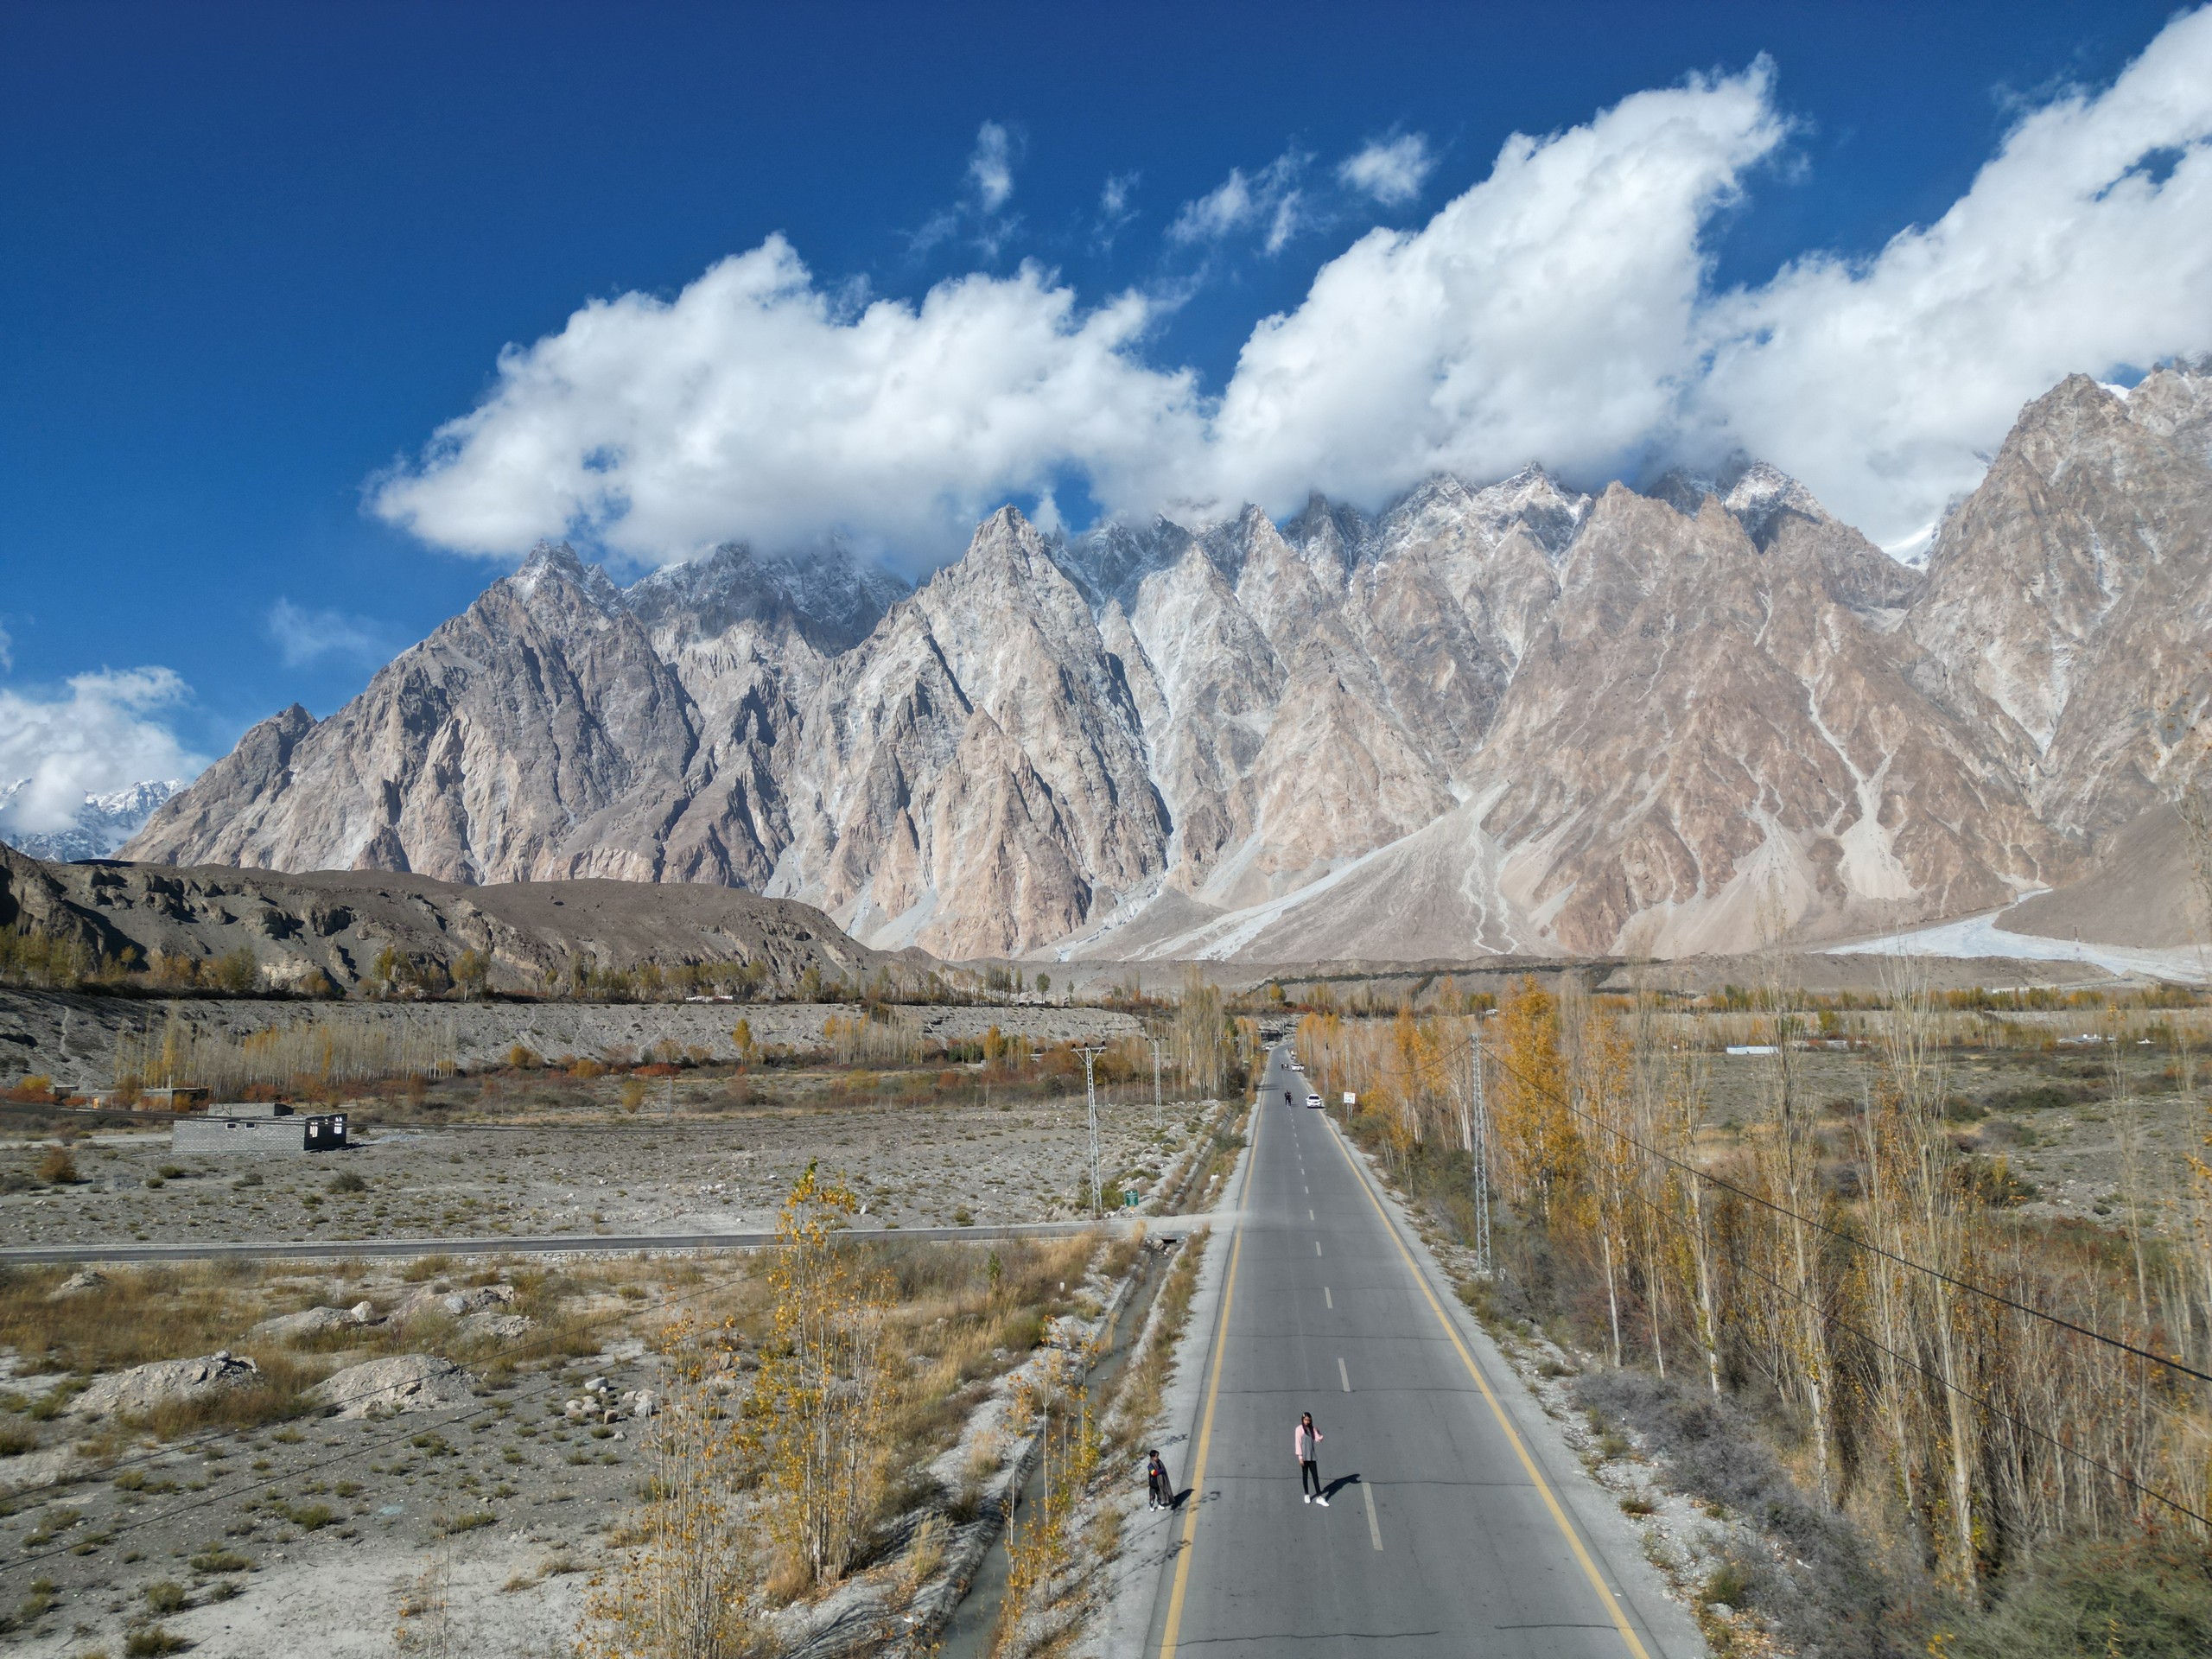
1442	1534
550	1244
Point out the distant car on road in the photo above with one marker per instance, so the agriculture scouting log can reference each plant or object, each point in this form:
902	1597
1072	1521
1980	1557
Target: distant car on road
1295	1066
1313	1100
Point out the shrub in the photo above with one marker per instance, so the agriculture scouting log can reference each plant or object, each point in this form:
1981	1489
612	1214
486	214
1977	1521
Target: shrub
2145	1596
347	1182
143	1644
310	1517
1823	1591
58	1168
220	1561
167	1597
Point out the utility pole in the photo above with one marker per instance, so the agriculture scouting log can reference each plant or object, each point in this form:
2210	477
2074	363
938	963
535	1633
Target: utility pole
1479	1130
1159	1106
1091	1096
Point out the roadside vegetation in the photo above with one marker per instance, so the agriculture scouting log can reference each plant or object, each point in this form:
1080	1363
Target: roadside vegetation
844	1434
1946	1397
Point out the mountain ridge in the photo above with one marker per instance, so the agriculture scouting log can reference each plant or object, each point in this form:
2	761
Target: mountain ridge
1679	719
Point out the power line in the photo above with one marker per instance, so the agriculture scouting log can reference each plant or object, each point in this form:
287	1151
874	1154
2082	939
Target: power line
1750	1197
1845	1326
1982	1401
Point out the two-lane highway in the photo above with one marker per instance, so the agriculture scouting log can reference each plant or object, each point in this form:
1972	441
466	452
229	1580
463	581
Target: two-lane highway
1443	1534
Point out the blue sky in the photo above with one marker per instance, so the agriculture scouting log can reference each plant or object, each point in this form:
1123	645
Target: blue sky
258	256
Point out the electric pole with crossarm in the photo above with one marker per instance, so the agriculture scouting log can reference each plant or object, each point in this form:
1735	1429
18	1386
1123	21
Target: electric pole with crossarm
1091	1096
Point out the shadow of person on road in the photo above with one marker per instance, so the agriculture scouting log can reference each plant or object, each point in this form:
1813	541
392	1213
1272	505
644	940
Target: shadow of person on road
1339	1485
1176	1502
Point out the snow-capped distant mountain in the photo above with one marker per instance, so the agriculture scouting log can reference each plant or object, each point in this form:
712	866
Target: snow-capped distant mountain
104	821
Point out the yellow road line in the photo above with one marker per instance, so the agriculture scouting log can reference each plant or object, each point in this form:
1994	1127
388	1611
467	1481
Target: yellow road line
1497	1410
1174	1625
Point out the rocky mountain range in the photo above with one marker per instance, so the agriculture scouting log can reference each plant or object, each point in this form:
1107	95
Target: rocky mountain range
102	822
1515	718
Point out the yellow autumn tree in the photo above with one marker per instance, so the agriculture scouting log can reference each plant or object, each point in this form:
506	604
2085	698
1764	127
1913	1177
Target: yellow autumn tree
819	1405
684	1591
1540	1149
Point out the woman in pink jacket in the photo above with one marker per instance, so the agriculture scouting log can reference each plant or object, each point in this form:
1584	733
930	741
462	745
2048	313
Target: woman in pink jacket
1306	1442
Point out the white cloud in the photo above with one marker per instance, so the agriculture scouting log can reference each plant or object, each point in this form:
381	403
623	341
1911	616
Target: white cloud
1883	382
1389	170
103	736
1547	313
991	167
752	404
1560	311
303	636
1269	197
7	652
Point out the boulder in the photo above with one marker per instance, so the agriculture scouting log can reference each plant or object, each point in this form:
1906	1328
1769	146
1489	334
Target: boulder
502	1327
83	1282
454	1304
403	1382
309	1322
165	1381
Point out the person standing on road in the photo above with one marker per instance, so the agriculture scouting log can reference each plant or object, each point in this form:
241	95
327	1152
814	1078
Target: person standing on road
1155	1478
1306	1441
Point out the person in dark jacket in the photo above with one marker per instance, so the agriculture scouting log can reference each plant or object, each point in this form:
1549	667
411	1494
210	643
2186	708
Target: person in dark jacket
1306	1442
1155	1477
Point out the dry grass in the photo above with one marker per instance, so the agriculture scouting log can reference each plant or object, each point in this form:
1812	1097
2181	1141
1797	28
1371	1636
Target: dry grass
153	1313
1143	1381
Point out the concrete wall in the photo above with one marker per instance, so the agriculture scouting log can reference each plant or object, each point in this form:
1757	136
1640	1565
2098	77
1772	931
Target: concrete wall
321	1132
240	1135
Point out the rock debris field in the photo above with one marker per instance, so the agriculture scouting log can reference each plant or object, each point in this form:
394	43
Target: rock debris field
911	1166
253	1458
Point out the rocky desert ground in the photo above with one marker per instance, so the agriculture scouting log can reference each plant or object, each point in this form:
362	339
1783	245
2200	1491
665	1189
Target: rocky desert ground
246	1457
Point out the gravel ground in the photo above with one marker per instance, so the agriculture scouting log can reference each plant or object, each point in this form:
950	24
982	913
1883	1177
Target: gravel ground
320	1530
912	1165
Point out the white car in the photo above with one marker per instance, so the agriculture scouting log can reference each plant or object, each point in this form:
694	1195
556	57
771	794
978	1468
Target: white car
1313	1101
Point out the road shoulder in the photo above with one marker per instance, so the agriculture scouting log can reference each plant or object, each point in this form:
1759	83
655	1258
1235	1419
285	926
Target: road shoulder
1122	1626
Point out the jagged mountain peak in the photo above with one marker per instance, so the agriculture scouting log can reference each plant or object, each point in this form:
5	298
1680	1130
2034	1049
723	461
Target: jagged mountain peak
827	594
1111	560
104	820
1651	709
558	568
2176	402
